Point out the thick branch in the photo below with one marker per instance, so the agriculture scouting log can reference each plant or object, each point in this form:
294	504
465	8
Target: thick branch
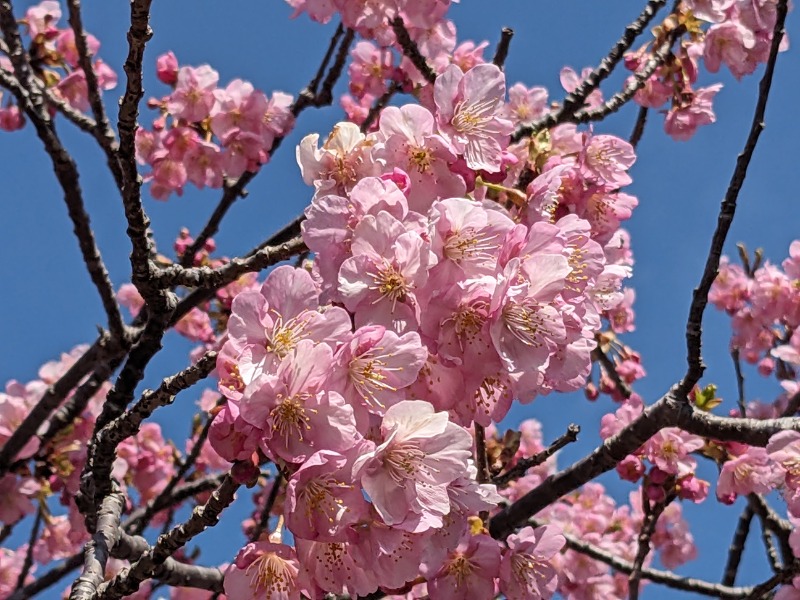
98	549
219	277
128	581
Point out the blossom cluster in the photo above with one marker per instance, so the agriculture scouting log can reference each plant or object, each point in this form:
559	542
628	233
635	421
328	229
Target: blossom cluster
430	304
143	467
206	133
734	33
58	70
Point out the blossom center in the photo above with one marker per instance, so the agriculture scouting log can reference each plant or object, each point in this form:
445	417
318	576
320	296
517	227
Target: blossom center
460	569
290	418
271	574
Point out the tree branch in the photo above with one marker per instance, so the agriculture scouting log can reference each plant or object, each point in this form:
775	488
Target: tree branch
128	581
578	96
694	359
522	466
737	546
411	50
501	53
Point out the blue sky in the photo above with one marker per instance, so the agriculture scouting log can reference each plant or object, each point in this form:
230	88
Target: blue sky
50	305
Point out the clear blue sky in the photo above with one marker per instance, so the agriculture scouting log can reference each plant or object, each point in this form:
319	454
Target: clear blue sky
49	304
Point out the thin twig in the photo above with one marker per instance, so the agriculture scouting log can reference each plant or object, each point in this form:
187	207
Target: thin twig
576	99
501	53
522	466
379	105
411	50
638	127
263	520
737	366
737	546
28	562
694	359
481	459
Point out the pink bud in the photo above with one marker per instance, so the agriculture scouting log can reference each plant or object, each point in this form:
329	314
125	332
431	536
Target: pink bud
167	68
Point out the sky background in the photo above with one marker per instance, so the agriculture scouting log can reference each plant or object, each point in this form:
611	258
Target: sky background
49	304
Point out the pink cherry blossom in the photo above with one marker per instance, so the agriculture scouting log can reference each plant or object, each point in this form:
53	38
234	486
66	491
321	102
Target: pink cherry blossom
469	114
526	570
263	570
406	476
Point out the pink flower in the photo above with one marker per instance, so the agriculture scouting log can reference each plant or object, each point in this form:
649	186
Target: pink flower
167	68
374	366
683	120
468	572
296	411
526	570
42	18
264	571
753	471
322	501
388	265
406	476
412	144
194	93
525	105
468	113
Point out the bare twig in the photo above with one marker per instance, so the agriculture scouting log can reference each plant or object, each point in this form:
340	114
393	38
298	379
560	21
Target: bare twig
638	127
263	520
379	105
501	53
648	527
576	99
611	370
737	366
410	49
28	562
522	466
737	546
105	134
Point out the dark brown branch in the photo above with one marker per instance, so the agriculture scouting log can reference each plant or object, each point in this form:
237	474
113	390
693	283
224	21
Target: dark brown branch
30	100
263	520
128	581
638	127
611	370
737	546
754	432
28	562
140	518
694	359
602	459
98	549
52	397
379	105
646	532
157	503
522	466
410	49
771	521
667	578
219	277
577	98
104	134
127	424
501	53
481	459
737	366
